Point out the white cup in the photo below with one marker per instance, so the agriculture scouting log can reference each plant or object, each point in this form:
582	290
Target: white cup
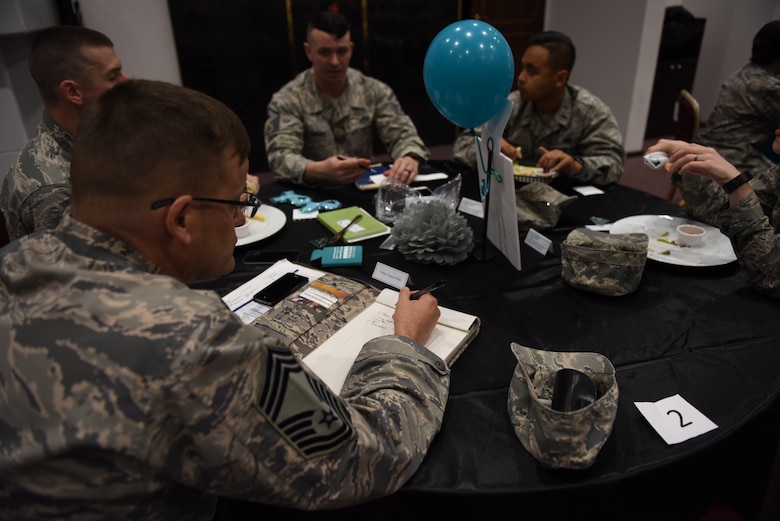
243	230
689	235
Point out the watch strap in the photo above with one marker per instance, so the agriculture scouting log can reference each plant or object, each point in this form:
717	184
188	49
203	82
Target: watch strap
735	183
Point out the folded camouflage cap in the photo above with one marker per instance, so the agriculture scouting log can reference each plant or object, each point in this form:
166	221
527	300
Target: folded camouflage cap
539	205
556	439
609	264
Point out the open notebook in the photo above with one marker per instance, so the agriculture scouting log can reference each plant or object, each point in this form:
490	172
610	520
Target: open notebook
327	322
332	360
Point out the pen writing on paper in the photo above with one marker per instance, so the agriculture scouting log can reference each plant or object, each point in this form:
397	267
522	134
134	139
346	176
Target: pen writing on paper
419	293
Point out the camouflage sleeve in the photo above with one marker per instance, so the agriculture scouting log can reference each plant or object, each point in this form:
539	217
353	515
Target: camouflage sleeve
704	199
601	148
284	134
756	242
43	209
464	150
394	127
265	429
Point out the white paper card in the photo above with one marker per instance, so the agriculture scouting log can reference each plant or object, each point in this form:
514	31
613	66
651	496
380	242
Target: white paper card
588	190
390	276
599	227
240	299
471	207
675	419
298	215
538	242
378	179
388	244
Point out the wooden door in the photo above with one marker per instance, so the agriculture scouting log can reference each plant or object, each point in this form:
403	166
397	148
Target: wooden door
516	21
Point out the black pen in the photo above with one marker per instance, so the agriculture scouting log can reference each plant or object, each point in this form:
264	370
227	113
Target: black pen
366	168
419	293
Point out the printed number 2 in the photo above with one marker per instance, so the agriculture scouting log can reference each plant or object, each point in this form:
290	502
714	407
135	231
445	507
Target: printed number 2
670	411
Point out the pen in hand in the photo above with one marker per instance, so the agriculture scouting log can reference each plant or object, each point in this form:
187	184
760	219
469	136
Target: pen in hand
419	293
366	168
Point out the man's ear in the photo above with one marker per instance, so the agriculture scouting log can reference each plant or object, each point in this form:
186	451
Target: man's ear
561	78
307	50
179	220
71	92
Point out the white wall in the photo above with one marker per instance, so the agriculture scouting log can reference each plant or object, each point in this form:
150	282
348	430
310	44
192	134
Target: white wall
617	48
143	39
142	34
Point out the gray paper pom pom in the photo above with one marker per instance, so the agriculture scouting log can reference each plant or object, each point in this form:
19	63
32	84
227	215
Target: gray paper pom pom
433	232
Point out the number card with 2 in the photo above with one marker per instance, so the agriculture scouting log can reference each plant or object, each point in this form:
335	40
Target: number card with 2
675	419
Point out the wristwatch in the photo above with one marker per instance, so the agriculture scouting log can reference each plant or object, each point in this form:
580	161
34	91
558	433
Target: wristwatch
416	157
735	183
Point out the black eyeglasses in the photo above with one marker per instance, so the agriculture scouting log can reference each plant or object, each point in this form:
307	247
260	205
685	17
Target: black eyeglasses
252	201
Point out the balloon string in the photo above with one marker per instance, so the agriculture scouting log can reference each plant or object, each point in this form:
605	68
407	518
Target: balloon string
489	170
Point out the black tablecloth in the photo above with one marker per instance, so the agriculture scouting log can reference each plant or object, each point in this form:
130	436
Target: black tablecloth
697	332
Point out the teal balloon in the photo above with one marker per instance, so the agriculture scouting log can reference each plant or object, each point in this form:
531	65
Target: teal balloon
468	72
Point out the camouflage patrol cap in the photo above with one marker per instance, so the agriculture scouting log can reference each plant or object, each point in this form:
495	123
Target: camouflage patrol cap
539	205
609	264
556	439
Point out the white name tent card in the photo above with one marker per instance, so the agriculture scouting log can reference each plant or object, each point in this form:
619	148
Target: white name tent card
391	276
675	419
588	190
471	207
538	242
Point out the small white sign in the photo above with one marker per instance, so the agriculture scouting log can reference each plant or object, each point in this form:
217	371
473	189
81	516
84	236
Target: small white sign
471	207
675	419
298	215
588	190
599	227
538	242
390	276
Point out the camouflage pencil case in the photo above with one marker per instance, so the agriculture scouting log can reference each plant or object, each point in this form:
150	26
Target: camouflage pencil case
557	439
609	264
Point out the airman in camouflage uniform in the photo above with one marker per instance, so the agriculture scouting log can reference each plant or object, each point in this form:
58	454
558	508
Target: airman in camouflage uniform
36	190
321	125
71	66
555	125
126	395
749	216
748	107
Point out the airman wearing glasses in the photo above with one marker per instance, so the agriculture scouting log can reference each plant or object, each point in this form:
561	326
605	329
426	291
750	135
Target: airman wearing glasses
127	395
321	125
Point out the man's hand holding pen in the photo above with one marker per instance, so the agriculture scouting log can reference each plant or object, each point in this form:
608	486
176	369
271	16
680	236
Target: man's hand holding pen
415	319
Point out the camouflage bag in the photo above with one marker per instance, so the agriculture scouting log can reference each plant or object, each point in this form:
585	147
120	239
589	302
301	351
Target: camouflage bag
556	439
539	206
609	264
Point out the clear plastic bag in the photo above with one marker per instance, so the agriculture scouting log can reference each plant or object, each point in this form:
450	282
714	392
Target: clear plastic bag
393	196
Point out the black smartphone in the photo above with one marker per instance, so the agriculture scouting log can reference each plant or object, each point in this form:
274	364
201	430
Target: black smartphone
280	288
270	256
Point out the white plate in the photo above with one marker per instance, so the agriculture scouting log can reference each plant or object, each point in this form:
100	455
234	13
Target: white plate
275	219
714	250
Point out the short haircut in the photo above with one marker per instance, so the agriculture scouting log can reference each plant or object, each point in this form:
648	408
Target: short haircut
766	44
559	46
56	56
328	22
143	134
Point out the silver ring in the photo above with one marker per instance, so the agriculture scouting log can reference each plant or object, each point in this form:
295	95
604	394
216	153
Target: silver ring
696	157
407	170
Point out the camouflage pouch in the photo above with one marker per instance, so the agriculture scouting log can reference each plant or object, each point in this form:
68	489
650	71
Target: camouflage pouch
539	206
311	315
609	264
556	439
